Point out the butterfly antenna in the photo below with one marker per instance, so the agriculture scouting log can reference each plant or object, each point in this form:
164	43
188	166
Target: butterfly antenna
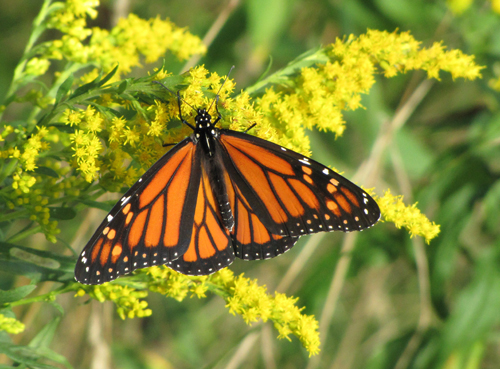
179	99
176	94
218	92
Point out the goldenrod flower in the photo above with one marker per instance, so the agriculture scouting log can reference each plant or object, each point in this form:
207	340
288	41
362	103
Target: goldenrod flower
10	325
394	210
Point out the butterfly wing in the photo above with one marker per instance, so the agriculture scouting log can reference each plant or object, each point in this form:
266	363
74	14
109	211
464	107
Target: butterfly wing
152	222
210	248
278	195
172	215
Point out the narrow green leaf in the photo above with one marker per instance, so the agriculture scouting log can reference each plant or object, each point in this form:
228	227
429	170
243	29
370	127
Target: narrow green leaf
47	353
475	312
46	334
172	82
15	294
33	258
64	88
32	357
86	87
268	68
108	76
23	355
36	264
46	171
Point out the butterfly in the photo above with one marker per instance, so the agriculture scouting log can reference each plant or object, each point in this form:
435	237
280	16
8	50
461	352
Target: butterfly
216	195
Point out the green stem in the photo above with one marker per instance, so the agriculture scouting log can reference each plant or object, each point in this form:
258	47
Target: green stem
24	234
14	215
50	296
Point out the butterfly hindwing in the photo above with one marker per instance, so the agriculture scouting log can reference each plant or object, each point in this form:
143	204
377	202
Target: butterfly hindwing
210	248
150	225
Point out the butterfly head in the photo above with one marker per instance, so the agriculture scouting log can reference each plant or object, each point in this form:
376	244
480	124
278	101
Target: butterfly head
203	119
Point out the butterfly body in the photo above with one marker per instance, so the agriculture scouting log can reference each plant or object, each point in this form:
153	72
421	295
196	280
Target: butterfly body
217	195
208	136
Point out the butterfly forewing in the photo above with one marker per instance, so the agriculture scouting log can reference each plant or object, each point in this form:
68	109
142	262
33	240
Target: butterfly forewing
280	195
150	225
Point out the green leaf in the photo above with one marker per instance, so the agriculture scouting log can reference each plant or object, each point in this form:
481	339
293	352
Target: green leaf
46	171
476	310
122	87
173	83
109	113
36	264
57	306
266	71
62	213
108	76
86	87
64	88
24	355
46	334
282	77
15	294
49	354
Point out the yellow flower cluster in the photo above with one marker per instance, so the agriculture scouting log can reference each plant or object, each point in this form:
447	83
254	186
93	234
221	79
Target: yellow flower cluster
400	52
285	114
27	157
122	46
87	147
129	302
10	325
242	295
170	283
31	149
86	143
319	94
394	210
246	298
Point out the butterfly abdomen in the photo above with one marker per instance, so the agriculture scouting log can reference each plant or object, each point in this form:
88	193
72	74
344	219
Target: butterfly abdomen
215	171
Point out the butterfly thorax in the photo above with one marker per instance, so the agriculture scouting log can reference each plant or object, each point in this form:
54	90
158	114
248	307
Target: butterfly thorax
205	132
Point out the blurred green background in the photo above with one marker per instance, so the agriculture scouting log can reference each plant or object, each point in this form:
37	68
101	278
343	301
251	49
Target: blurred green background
396	302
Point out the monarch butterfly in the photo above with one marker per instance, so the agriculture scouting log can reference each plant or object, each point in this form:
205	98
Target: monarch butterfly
219	194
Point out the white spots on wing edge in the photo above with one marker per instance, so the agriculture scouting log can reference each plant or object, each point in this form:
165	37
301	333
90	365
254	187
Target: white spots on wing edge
305	161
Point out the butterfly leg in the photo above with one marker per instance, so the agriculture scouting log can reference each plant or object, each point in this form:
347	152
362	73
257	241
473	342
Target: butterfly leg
180	113
219	116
